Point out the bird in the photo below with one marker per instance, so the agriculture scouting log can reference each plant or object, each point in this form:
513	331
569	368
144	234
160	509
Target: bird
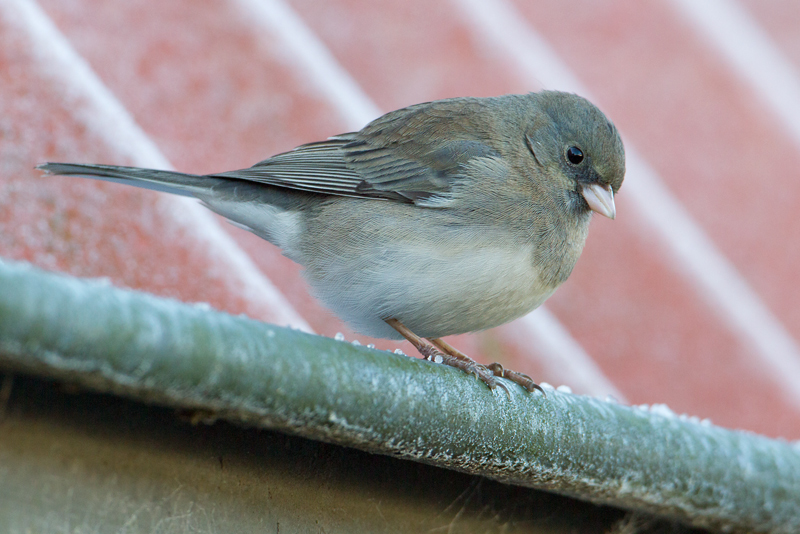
440	218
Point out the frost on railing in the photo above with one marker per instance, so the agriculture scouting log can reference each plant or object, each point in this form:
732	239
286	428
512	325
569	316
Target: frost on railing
167	352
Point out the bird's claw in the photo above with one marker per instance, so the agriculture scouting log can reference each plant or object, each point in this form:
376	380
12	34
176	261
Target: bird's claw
518	378
441	352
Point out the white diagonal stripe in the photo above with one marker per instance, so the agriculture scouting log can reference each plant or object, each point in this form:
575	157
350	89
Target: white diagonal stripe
694	252
96	107
314	59
563	358
751	53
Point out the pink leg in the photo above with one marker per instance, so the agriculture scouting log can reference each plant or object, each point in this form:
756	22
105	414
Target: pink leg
520	378
455	359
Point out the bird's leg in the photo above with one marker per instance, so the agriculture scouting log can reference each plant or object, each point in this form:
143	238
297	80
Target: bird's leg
455	359
520	378
468	365
428	351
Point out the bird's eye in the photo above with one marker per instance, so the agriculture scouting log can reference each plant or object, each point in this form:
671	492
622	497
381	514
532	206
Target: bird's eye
574	155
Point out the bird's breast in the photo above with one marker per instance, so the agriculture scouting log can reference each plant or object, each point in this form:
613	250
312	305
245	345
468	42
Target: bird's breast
435	290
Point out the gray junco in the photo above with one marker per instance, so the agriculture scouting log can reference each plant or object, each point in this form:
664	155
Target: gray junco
436	219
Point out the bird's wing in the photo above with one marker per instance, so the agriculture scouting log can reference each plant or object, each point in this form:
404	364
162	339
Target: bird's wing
410	155
316	167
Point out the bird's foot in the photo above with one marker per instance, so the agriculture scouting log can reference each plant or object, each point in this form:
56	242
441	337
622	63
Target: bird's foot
439	351
519	378
458	359
468	365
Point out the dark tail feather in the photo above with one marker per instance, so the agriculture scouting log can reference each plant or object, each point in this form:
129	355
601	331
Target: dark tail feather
177	183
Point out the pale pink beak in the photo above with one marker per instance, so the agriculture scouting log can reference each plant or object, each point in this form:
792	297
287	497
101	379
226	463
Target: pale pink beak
600	199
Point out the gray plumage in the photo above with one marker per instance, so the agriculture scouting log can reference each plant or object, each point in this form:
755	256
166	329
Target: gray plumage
450	216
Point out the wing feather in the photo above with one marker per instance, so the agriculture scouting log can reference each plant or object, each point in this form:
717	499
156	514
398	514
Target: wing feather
415	155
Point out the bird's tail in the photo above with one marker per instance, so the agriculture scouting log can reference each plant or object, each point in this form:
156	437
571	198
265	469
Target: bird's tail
178	183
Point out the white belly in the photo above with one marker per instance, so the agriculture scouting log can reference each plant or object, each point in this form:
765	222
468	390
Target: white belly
433	292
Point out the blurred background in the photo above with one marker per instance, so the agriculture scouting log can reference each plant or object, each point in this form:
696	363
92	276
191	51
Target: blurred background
690	298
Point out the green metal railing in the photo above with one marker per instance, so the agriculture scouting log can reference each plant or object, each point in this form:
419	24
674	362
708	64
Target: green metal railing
163	351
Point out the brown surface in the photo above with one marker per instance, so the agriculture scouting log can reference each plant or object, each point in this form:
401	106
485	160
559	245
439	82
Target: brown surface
77	462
